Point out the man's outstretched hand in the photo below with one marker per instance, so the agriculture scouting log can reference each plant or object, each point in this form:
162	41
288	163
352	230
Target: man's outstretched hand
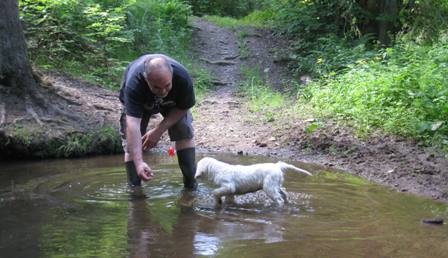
144	172
150	139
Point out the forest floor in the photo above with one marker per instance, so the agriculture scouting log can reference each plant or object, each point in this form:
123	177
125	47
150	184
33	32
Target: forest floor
223	121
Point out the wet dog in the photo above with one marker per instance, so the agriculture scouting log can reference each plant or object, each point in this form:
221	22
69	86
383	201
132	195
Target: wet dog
238	179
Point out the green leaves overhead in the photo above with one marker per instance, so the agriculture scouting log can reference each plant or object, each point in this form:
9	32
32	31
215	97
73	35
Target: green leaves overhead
96	38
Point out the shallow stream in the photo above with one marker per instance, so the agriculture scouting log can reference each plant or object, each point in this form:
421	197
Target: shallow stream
84	208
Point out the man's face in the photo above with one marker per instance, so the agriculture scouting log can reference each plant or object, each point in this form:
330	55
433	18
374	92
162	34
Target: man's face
159	82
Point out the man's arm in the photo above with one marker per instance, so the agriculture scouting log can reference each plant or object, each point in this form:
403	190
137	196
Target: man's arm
134	137
151	138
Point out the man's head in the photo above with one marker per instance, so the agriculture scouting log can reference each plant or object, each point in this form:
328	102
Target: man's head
158	75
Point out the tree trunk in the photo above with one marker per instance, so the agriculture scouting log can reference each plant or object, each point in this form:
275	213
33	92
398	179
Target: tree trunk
387	23
15	70
381	18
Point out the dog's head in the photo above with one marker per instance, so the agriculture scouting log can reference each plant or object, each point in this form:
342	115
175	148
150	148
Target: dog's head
202	167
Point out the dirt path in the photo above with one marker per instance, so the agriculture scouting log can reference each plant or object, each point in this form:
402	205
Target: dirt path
219	123
224	123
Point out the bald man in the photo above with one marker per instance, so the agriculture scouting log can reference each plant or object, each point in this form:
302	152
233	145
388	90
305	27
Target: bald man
157	84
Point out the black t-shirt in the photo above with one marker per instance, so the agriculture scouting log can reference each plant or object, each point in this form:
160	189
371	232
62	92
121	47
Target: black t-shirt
138	98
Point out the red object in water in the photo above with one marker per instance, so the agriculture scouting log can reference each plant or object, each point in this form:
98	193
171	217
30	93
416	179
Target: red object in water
171	151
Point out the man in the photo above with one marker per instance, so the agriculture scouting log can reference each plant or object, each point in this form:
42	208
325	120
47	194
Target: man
157	84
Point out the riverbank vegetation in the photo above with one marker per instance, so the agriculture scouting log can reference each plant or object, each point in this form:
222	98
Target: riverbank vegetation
374	65
98	38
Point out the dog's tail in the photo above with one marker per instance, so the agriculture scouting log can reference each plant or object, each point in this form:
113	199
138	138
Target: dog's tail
284	166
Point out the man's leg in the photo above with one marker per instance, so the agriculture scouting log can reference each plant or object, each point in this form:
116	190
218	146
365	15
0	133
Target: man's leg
182	134
186	157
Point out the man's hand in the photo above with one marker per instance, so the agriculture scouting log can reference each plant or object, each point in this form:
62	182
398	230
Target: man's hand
151	138
144	172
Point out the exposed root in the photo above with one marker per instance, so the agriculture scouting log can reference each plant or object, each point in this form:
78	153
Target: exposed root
71	102
39	100
107	96
48	120
2	114
30	110
219	62
231	57
102	107
216	82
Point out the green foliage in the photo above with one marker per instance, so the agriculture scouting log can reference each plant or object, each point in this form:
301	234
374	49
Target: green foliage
404	92
303	18
425	21
232	8
256	18
262	98
244	49
225	22
327	55
97	38
310	19
201	81
159	26
329	35
105	140
24	135
69	29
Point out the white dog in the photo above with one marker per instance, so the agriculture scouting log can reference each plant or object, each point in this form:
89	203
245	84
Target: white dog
238	179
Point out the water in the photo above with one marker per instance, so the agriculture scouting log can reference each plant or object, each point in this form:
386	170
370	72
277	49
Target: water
83	208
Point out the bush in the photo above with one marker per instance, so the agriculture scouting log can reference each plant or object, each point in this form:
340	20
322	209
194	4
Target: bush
70	29
159	26
97	38
404	92
232	8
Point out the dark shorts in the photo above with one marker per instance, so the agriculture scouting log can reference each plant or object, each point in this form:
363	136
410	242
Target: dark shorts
182	130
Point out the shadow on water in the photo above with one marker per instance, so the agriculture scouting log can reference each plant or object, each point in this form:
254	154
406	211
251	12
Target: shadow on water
84	208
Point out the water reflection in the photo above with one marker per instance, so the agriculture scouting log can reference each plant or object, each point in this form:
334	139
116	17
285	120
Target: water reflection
140	230
147	237
84	208
195	231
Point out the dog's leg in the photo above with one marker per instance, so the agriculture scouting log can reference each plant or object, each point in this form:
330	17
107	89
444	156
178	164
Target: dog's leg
230	198
274	194
284	196
272	187
222	191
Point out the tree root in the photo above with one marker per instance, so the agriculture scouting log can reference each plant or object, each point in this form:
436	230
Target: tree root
2	114
101	107
39	100
216	82
71	102
31	111
219	62
231	57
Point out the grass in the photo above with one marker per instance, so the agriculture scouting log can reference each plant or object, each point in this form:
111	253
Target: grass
244	49
100	141
405	93
262	98
257	18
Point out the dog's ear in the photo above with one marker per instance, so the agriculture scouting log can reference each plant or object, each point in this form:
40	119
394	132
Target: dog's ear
198	170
